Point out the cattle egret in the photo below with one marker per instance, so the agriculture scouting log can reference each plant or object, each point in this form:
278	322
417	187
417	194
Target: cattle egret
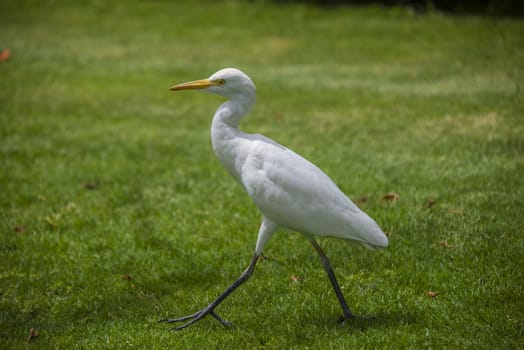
289	191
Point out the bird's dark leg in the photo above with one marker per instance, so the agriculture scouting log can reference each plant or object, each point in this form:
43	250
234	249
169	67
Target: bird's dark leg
210	309
331	274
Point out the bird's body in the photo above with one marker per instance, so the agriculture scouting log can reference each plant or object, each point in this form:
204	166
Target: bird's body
293	193
289	191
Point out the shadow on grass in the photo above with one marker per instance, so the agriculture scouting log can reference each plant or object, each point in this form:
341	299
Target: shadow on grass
363	323
383	320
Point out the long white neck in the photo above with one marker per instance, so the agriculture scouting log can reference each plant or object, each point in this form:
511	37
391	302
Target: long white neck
226	138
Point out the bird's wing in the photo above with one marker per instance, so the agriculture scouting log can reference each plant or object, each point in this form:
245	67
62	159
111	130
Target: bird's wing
296	194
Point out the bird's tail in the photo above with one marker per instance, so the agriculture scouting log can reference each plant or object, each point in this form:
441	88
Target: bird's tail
369	234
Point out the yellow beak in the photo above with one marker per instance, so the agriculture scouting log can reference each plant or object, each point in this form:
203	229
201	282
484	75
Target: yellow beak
194	85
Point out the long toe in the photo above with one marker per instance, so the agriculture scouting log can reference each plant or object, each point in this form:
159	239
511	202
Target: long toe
219	319
180	319
185	325
197	316
173	320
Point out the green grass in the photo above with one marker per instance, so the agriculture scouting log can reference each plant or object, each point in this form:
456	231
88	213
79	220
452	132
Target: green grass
114	212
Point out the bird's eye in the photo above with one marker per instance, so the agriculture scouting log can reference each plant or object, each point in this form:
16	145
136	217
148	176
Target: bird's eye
221	81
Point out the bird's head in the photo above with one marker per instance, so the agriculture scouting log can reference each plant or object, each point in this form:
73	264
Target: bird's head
227	82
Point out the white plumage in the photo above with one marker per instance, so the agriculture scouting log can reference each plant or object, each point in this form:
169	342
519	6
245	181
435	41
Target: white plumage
288	190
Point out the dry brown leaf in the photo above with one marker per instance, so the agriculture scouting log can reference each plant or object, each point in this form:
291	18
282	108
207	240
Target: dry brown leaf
33	333
445	244
295	279
390	197
430	202
431	294
4	55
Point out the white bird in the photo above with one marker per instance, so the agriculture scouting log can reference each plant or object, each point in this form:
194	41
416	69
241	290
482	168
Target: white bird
289	191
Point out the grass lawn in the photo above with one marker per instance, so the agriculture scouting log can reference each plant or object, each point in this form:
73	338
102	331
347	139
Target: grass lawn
115	213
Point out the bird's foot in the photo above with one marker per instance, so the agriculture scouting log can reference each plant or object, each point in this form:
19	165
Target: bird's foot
345	318
196	317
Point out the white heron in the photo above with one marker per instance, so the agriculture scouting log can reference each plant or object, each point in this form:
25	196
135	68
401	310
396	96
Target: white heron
289	191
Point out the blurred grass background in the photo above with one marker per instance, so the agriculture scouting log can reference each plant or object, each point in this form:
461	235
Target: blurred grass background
115	212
